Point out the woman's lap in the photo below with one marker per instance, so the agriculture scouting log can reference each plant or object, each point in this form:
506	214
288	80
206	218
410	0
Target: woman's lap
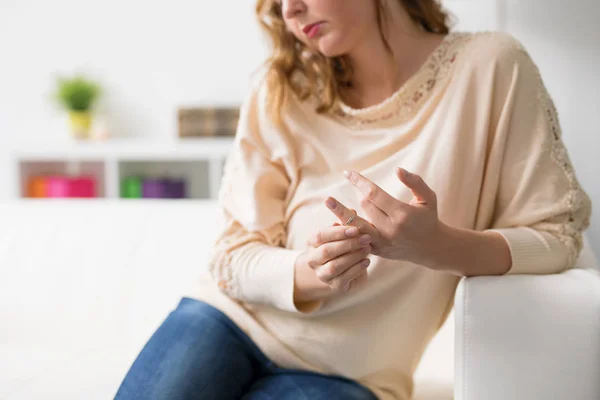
198	353
191	352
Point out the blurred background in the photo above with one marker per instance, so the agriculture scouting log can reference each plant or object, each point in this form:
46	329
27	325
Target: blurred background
172	76
102	101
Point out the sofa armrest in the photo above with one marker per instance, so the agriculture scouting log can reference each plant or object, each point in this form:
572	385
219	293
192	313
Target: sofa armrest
528	337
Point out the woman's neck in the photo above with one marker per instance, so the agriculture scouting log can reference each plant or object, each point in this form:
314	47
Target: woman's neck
377	73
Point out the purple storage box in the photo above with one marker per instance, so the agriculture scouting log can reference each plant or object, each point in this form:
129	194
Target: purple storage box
175	188
164	189
153	189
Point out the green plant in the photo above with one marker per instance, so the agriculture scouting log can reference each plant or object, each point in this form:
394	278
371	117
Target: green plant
77	93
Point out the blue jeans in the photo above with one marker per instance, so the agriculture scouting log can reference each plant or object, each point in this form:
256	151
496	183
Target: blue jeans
199	353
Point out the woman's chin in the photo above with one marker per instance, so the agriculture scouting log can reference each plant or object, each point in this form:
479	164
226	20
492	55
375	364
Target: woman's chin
330	48
330	52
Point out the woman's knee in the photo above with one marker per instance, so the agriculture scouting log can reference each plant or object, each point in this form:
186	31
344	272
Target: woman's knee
193	351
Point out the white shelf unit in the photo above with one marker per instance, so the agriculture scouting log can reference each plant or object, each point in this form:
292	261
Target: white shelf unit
200	161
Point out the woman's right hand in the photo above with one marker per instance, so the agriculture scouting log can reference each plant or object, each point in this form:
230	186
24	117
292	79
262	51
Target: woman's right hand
338	256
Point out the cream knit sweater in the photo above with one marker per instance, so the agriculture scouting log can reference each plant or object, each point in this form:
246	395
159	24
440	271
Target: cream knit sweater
476	122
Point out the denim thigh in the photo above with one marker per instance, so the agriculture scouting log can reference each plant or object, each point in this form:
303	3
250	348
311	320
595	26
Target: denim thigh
196	353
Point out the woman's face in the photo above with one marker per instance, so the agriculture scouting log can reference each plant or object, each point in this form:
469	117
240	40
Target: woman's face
333	27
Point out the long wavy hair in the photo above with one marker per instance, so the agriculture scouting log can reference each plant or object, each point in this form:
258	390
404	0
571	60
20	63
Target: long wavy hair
320	76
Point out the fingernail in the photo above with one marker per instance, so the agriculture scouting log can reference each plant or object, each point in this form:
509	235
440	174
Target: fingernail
347	173
364	239
366	249
351	232
366	262
331	203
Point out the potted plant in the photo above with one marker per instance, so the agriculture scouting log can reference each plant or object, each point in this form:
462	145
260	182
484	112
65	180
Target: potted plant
78	95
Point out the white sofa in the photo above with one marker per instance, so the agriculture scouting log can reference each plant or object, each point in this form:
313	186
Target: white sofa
83	284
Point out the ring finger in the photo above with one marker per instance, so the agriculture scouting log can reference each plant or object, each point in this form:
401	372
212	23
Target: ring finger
344	213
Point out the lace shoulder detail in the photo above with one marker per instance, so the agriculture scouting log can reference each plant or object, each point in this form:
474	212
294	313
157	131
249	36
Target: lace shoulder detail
569	227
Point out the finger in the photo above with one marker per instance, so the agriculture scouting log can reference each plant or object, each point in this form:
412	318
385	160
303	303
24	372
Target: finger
335	267
328	234
376	195
343	281
422	192
380	219
332	250
343	213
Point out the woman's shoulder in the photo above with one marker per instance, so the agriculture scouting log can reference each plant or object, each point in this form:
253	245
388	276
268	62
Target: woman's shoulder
494	41
494	49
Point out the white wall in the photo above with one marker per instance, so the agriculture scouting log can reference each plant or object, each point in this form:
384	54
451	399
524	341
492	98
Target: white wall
151	55
4	165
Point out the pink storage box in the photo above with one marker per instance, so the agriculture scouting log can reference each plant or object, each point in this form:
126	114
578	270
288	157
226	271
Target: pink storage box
83	187
57	187
64	187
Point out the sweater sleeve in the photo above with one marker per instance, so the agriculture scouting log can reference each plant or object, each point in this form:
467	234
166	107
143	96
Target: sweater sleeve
249	261
541	210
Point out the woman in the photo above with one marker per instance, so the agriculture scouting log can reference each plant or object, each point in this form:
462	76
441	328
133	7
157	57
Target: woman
312	300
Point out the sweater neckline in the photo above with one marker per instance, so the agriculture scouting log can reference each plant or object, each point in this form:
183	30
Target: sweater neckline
407	99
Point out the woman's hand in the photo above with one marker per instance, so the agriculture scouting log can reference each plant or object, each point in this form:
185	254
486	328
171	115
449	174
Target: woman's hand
400	231
338	256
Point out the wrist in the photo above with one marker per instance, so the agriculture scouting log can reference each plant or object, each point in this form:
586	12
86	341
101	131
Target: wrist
465	252
451	250
444	247
307	287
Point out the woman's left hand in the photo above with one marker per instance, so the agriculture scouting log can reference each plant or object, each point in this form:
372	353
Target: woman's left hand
399	231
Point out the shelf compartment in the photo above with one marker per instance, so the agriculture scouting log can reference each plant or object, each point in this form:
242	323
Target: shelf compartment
195	173
29	169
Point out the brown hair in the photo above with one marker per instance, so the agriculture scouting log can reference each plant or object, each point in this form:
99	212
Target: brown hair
321	76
